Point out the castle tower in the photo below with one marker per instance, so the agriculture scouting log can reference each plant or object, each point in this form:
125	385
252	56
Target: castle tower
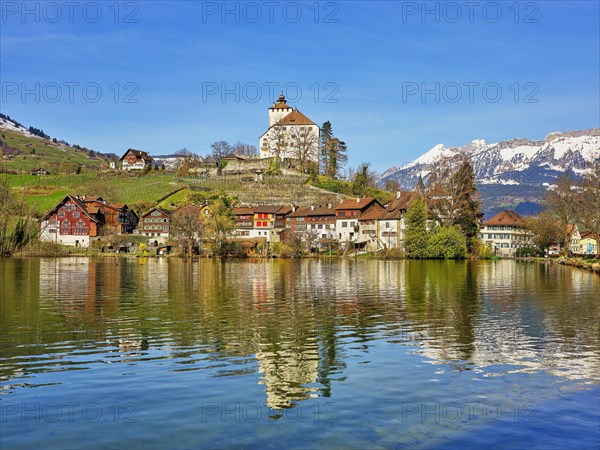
279	110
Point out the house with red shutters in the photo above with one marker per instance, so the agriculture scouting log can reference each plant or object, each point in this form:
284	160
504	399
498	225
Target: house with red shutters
136	160
70	222
77	220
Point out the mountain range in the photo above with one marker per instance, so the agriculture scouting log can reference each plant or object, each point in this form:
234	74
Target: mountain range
510	174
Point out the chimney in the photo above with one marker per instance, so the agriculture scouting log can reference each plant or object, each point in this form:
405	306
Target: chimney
329	205
312	207
398	194
293	208
357	199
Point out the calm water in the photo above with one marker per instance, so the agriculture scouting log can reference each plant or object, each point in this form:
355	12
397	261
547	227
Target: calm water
130	353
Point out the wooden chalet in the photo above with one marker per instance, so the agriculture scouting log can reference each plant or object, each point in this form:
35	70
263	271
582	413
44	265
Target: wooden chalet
136	160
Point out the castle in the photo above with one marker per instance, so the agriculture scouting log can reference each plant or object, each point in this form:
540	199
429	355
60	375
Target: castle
290	135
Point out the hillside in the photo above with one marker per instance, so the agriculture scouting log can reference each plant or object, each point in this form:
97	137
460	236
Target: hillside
21	151
510	172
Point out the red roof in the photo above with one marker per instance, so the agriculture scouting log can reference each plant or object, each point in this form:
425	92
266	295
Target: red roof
506	217
243	211
357	203
300	212
322	211
295	118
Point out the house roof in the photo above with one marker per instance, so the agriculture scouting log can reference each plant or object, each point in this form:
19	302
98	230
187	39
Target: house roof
139	154
40	169
280	103
157	208
322	211
506	217
267	209
233	157
284	210
374	214
300	212
357	203
571	227
403	202
75	200
589	234
243	211
294	118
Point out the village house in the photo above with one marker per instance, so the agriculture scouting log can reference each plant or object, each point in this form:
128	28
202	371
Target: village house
290	134
505	233
136	160
244	222
574	239
40	171
117	218
383	228
347	215
589	243
70	223
156	223
321	221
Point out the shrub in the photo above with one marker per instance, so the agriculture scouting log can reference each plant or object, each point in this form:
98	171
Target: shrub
447	243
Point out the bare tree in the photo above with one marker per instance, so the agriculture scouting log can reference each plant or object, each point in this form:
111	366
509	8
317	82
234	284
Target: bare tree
241	149
220	149
186	228
305	146
186	160
276	141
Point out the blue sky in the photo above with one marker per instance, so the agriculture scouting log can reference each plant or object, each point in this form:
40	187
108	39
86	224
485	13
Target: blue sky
386	74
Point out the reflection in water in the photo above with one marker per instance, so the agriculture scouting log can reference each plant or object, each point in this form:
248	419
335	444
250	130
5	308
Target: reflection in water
297	324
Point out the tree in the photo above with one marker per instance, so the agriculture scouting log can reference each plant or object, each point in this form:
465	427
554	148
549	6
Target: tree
305	146
546	230
17	225
452	196
326	136
219	224
589	198
220	149
186	160
241	149
186	228
276	141
363	179
416	235
447	243
563	202
336	157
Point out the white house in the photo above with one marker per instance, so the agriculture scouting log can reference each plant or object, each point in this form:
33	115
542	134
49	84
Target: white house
290	134
136	160
505	233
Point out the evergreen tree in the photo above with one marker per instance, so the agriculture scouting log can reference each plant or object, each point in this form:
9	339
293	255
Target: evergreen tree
468	208
416	235
326	136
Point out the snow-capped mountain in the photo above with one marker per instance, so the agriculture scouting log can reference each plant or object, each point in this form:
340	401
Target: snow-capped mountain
523	166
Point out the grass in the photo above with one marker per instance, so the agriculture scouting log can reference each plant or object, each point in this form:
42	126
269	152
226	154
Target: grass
39	152
44	192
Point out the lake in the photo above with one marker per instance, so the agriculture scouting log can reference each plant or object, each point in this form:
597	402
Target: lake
164	353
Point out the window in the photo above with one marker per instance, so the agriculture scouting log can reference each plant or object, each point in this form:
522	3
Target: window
344	224
264	224
76	215
61	214
387	224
